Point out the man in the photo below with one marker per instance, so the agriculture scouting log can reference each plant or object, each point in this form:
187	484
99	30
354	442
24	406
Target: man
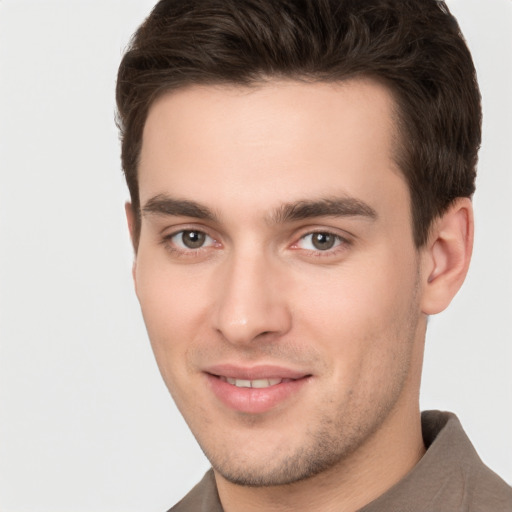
300	176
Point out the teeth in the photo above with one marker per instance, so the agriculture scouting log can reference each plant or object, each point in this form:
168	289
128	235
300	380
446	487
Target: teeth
240	383
257	383
264	383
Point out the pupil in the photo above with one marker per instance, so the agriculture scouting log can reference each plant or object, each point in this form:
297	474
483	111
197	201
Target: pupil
323	241
193	239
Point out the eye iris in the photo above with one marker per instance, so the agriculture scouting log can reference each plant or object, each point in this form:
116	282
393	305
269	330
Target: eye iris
323	241
193	239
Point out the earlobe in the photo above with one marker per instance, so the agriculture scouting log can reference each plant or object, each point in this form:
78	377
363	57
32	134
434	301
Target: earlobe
130	218
447	256
133	224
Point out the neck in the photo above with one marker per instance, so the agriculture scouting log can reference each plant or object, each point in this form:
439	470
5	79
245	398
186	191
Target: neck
384	459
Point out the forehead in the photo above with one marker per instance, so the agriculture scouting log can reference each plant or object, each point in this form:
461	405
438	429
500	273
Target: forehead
270	143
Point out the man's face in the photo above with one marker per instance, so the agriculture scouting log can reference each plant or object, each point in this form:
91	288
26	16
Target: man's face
277	273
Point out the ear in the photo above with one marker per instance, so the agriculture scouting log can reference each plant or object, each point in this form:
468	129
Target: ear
130	218
447	256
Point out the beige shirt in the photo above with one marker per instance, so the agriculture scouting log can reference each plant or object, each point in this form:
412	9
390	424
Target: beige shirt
450	477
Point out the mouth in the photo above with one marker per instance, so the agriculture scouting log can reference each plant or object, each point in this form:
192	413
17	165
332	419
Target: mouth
256	383
255	390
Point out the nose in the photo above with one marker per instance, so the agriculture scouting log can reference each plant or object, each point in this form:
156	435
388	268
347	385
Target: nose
251	301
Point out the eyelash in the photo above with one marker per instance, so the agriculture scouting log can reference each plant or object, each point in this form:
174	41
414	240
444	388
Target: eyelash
168	243
341	242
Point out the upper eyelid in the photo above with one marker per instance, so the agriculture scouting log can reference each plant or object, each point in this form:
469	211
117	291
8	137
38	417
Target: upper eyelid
311	233
343	240
170	231
167	242
337	232
172	234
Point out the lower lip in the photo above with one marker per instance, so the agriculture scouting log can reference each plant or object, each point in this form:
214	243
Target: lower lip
254	400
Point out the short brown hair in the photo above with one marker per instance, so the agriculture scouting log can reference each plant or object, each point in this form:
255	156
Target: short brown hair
414	46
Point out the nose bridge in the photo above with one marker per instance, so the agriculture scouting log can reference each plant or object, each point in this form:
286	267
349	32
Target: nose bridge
250	303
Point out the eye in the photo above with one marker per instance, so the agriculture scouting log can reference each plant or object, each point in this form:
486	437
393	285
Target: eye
320	241
191	239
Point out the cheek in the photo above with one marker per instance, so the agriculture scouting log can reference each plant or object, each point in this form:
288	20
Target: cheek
363	312
169	296
172	310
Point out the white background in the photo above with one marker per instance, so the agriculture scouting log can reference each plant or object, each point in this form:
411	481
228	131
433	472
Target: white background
85	422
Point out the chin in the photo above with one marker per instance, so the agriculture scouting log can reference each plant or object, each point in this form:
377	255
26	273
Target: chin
267	470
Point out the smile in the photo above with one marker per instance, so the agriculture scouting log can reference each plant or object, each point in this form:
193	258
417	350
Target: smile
255	390
256	383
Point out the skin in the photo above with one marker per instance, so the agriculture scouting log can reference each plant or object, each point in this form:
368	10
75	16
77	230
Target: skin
257	290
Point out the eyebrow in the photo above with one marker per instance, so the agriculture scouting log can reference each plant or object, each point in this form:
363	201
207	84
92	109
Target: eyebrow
165	205
325	207
289	212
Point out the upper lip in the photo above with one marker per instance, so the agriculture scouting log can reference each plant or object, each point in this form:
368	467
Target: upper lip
266	371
